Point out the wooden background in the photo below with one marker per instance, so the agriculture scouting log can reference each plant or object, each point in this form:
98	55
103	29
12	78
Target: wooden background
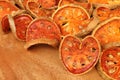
39	63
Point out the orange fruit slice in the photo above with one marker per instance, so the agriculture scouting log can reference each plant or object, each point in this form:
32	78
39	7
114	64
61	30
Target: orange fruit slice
87	6
35	8
108	31
79	56
19	24
47	4
6	8
104	12
110	2
72	19
43	31
109	64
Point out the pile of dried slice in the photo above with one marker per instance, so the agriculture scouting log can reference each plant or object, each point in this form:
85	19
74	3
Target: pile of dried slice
86	31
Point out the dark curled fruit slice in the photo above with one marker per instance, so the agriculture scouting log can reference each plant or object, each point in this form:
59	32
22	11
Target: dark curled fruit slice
73	19
5	24
109	64
19	24
108	31
105	12
79	56
6	8
43	31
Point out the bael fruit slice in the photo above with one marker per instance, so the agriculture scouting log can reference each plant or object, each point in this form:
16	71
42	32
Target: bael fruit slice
87	6
109	64
19	24
43	31
5	24
108	31
73	19
105	12
36	10
6	7
79	56
47	4
109	2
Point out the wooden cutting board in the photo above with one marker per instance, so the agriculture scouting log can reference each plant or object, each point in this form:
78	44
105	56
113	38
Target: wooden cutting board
41	62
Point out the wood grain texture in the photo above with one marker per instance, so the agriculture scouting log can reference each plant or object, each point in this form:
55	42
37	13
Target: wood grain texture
38	63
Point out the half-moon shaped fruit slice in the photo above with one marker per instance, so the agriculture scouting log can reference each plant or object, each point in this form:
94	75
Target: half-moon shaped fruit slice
19	24
108	31
105	12
109	64
87	6
79	56
36	10
6	8
43	31
73	19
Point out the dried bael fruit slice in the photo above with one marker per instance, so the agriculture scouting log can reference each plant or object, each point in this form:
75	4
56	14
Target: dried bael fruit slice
36	10
19	24
43	31
5	24
108	31
79	56
105	12
73	19
47	4
87	6
6	8
109	64
109	2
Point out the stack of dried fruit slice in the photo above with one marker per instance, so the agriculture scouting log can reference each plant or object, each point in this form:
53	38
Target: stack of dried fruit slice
61	23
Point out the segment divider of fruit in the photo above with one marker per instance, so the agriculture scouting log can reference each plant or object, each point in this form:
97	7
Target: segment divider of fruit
86	32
